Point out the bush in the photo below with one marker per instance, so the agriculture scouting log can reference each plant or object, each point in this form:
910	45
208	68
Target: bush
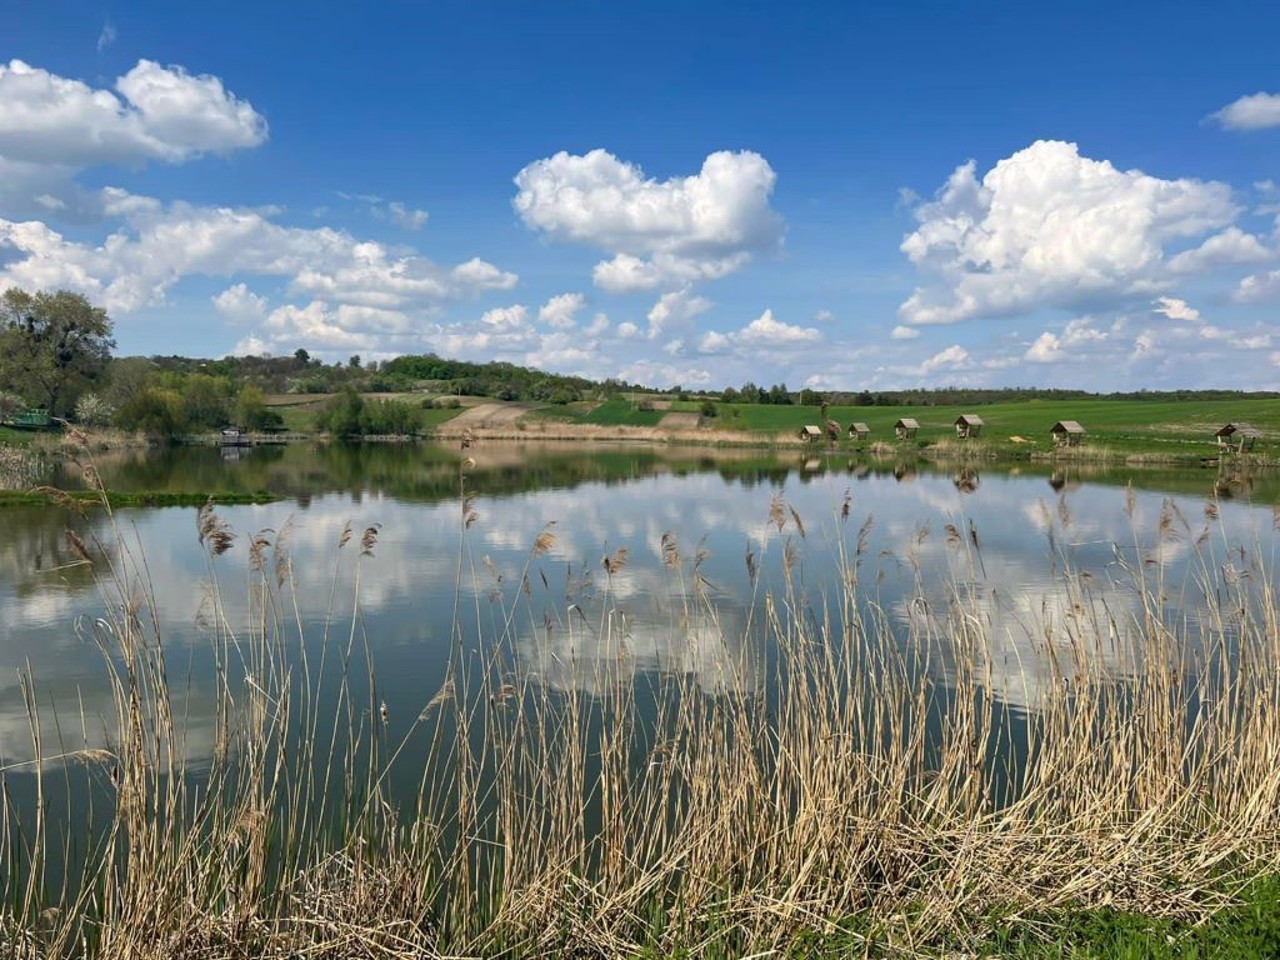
707	409
93	411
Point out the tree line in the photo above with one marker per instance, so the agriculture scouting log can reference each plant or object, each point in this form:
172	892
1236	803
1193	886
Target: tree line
56	356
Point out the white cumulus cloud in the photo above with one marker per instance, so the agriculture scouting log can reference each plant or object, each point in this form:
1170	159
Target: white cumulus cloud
765	330
1049	227
674	311
156	113
1177	310
1253	112
658	232
954	357
559	312
1231	246
506	319
238	302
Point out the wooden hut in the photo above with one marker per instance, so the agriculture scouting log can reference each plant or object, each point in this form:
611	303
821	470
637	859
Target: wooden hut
859	430
968	426
906	428
1067	433
810	433
833	431
1237	437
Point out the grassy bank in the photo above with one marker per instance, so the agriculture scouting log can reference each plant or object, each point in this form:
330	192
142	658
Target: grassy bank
104	499
867	786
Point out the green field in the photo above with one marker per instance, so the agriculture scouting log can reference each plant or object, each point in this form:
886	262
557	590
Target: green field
623	413
1173	428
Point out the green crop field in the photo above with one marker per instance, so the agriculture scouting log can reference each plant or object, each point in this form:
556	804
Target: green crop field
1178	428
616	413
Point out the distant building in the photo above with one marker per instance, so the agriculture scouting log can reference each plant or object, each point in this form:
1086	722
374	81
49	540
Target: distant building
810	433
906	429
859	430
968	426
233	437
1067	433
1237	437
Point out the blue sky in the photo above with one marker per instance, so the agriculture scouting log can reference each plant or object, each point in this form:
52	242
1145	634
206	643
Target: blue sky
840	196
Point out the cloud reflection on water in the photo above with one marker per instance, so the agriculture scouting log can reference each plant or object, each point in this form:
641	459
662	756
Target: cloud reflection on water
407	589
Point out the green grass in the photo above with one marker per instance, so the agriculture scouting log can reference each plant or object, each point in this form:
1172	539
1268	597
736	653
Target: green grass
1247	929
134	498
620	413
434	416
1159	428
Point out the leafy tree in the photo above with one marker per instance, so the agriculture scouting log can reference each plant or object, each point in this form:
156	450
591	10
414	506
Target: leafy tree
252	413
52	346
302	356
155	411
125	378
10	405
207	400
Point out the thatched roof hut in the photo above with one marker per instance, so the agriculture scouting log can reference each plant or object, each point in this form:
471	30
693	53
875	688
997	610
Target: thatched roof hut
1067	433
859	430
810	433
1238	436
968	425
906	428
833	431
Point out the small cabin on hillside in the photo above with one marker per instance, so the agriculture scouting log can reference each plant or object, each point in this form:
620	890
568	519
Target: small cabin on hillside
1067	433
968	426
810	433
1237	437
906	429
859	430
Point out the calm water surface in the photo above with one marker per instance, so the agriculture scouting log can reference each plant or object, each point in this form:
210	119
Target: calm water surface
998	536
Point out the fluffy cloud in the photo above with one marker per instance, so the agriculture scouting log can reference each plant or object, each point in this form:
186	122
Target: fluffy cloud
1254	112
672	231
1176	310
479	275
1076	338
1048	227
904	333
674	311
157	113
559	312
954	357
240	303
1260	286
506	319
1231	246
765	330
138	263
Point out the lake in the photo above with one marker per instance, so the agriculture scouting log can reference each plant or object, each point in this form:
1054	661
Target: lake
743	524
532	693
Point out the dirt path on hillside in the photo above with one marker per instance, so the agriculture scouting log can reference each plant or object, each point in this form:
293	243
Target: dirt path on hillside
679	421
490	415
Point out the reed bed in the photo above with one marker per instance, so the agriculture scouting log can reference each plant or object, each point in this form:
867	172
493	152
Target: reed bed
853	776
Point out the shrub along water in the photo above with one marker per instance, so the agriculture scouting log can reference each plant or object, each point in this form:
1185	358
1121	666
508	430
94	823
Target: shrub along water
839	790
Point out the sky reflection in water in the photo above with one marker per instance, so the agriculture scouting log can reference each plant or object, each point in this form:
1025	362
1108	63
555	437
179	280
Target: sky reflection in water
577	628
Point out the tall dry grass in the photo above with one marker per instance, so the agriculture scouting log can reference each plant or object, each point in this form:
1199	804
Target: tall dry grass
839	773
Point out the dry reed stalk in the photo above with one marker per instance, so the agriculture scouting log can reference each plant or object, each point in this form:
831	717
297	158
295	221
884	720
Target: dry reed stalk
854	770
